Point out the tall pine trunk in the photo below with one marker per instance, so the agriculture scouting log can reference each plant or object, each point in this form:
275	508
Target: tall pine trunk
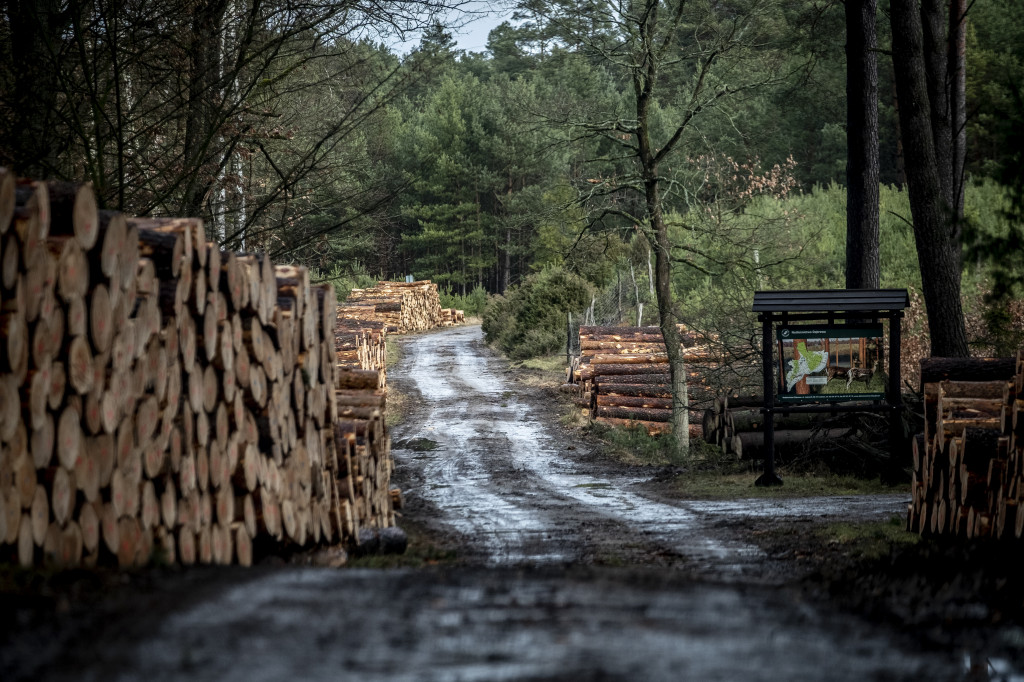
862	232
201	117
957	75
927	142
36	27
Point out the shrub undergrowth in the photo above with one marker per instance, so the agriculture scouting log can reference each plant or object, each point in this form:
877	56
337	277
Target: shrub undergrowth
530	319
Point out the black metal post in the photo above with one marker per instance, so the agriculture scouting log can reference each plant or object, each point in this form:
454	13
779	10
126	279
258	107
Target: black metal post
895	398
769	477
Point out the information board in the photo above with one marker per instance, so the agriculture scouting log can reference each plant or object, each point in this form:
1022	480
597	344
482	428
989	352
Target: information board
829	363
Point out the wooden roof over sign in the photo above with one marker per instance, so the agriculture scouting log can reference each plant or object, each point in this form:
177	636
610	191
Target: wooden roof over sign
830	300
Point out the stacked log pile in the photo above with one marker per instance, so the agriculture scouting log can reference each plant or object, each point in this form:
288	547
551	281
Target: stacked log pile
451	317
735	424
623	375
730	415
159	396
361	344
368	315
969	462
365	497
402	306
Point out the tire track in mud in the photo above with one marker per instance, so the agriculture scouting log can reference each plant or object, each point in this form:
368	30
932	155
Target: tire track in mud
498	474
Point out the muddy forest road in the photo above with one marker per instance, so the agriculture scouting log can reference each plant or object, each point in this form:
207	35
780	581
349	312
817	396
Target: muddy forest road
567	571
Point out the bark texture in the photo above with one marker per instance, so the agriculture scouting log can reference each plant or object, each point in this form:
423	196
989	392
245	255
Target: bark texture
36	28
927	143
862	232
644	81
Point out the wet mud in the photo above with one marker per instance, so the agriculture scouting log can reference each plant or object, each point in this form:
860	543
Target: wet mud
502	475
569	568
503	624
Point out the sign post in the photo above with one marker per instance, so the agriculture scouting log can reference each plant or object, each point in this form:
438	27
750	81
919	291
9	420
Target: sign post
830	366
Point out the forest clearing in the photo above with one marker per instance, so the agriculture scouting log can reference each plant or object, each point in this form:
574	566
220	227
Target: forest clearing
655	336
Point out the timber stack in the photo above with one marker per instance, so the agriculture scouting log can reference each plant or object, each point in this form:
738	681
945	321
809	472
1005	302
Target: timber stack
451	317
361	344
162	397
623	375
969	462
734	423
402	306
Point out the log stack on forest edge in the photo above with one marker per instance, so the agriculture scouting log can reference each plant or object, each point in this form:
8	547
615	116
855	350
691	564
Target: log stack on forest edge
402	306
623	375
361	344
161	397
969	462
369	315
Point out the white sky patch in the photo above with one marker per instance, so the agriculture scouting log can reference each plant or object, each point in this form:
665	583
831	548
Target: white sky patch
474	21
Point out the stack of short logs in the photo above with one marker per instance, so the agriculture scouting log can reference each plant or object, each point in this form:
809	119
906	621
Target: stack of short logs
402	306
451	317
969	462
161	397
361	344
623	376
361	396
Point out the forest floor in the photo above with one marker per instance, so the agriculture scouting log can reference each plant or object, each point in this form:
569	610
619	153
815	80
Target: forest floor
537	553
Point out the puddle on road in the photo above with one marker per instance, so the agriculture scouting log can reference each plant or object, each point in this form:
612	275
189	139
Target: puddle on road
875	506
416	444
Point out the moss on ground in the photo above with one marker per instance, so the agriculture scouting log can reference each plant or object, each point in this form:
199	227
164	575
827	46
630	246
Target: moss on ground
424	550
394	409
869	540
724	485
541	372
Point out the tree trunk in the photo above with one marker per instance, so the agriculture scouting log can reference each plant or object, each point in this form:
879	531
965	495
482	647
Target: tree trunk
645	76
36	27
677	368
506	274
957	74
201	124
862	234
935	58
938	248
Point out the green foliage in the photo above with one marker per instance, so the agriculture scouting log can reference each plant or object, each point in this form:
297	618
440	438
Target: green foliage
995	79
633	445
479	168
345	279
794	242
472	304
529	320
994	242
870	540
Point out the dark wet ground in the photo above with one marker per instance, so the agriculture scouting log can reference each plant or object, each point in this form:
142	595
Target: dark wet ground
503	624
569	569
